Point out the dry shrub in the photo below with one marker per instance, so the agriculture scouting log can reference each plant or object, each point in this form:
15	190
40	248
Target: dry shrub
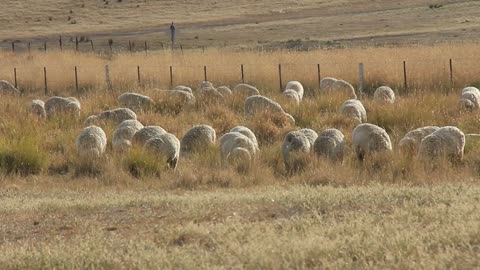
269	127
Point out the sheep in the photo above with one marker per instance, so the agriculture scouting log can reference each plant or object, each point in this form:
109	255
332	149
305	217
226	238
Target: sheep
6	88
224	90
354	109
368	139
295	147
183	88
123	134
210	93
237	149
330	144
470	98
245	90
342	86
198	138
410	143
257	103
38	108
327	83
297	87
136	102
446	142
117	116
247	132
310	134
384	94
57	104
179	97
146	133
91	143
167	146
292	95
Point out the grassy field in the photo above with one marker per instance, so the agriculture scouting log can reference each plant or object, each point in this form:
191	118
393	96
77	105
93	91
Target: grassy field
393	215
244	23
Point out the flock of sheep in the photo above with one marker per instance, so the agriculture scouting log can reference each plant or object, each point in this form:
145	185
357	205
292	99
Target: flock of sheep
239	146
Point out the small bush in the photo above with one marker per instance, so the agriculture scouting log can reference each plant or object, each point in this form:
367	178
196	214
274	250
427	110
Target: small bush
141	164
22	158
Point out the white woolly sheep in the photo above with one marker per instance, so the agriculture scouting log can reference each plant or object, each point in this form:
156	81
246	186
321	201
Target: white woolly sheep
117	116
55	105
180	97
6	88
384	94
368	139
234	147
292	95
245	90
146	133
123	134
310	134
327	83
296	86
295	148
470	98
136	102
224	90
167	146
446	142
330	144
353	108
91	143
38	108
341	86
183	88
256	104
247	132
198	138
410	143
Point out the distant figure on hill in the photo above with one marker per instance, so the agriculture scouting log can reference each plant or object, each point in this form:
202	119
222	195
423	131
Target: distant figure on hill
172	33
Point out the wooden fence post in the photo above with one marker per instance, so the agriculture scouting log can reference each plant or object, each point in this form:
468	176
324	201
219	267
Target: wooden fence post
60	43
280	76
13	47
76	44
108	81
171	76
91	44
451	75
243	76
45	46
45	79
76	79
318	75
138	76
15	77
361	79
146	48
405	85
130	46
28	47
205	73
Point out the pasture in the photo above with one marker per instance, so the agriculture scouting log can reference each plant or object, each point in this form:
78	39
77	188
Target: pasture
132	212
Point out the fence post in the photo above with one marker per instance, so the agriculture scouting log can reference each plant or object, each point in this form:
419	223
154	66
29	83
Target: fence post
243	76
15	77
181	48
361	79
161	44
205	73
91	44
146	48
76	79
13	47
280	76
318	75
451	75
171	76
60	43
138	75
130	46
28	47
405	85
108	82
45	46
45	79
76	44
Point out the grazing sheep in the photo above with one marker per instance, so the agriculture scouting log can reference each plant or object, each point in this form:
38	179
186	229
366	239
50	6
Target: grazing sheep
256	104
247	132
56	105
237	149
91	143
6	88
297	87
310	134
224	90
384	94
179	97
295	148
446	142
205	84
330	144
167	146
146	133
327	83
354	109
210	93
38	108
117	116
198	138
470	98
183	88
123	134
245	90
368	139
342	86
136	101
410	143
292	95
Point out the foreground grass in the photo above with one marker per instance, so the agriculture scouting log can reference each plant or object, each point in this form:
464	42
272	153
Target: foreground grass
372	226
